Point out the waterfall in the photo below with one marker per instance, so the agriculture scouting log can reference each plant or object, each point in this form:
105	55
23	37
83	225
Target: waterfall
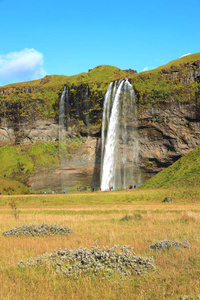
64	119
67	104
62	130
87	107
120	147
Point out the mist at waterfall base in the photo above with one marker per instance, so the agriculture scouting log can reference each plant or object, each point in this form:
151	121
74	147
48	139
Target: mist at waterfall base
120	147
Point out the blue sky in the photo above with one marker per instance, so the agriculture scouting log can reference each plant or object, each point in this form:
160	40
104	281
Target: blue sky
39	37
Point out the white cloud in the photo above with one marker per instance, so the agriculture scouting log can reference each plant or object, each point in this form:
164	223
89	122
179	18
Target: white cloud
145	69
185	55
21	66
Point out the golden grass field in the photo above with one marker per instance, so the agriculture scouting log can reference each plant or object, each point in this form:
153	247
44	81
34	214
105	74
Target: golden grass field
96	217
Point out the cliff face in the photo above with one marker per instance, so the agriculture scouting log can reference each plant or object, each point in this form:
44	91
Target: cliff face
169	113
167	133
168	101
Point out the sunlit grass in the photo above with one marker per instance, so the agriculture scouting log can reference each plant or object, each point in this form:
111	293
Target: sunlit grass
126	197
108	224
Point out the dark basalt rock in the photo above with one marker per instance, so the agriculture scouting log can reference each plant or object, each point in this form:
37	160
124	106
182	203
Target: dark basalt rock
168	199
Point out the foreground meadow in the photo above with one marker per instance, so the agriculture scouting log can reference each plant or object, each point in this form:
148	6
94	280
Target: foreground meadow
137	218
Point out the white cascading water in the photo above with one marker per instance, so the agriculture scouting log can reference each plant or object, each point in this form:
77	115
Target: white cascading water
87	107
64	119
67	105
62	127
120	147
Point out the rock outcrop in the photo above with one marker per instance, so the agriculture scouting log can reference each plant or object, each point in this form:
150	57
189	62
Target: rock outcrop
167	133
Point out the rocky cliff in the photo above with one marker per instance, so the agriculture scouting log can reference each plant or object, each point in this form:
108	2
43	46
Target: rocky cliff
168	100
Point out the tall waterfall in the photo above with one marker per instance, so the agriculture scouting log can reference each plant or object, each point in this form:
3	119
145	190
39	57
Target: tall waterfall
64	119
64	103
87	107
120	147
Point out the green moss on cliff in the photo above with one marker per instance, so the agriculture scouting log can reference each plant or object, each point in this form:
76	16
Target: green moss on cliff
19	163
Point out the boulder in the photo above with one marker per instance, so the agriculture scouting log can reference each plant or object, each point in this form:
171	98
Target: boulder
168	199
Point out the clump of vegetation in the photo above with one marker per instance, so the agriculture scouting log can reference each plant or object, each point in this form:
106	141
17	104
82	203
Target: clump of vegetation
166	244
136	217
37	230
106	261
11	187
126	218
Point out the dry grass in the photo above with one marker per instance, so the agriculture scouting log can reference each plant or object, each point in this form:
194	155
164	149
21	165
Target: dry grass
178	271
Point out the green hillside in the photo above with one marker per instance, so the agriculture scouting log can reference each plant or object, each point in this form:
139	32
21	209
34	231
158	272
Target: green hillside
185	172
12	187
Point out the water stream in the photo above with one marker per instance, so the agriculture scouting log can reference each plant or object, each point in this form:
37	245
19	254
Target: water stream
120	147
64	119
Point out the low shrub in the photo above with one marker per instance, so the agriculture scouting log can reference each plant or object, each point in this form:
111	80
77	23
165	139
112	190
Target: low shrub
166	244
37	230
106	261
135	217
126	218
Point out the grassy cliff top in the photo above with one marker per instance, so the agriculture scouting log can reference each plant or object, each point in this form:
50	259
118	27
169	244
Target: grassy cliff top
185	172
101	74
191	58
153	87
